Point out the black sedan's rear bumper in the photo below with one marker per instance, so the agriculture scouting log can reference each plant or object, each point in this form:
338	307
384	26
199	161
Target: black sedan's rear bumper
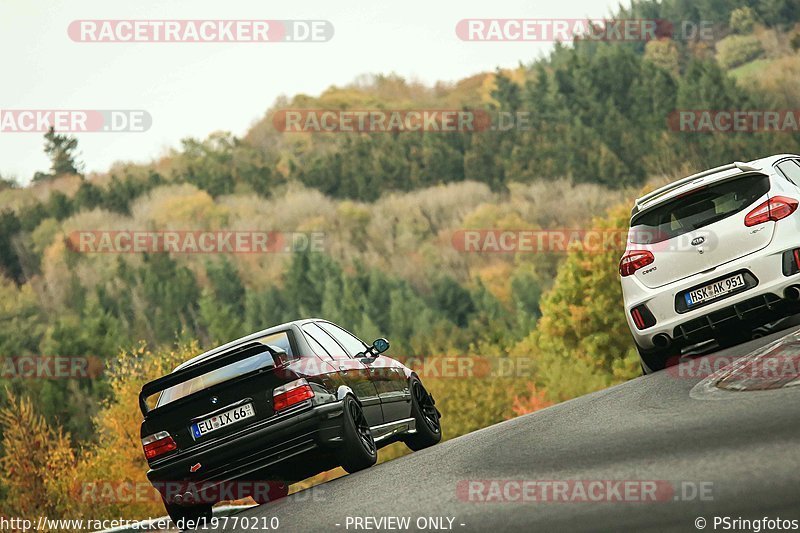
289	447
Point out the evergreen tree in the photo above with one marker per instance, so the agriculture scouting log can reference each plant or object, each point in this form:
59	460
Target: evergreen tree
9	261
61	149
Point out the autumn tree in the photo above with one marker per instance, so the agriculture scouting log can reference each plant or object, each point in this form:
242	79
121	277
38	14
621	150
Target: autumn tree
582	342
37	462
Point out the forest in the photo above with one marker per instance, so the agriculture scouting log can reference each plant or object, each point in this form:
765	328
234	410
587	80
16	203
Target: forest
387	207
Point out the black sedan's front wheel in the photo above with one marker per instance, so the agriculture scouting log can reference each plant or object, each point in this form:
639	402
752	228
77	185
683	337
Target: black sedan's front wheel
358	449
426	416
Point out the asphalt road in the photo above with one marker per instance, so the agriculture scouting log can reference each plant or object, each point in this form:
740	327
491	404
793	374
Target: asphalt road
736	454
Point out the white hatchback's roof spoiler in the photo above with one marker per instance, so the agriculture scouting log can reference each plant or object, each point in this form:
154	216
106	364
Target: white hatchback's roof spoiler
744	167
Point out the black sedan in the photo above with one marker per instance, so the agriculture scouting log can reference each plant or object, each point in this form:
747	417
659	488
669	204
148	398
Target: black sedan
275	407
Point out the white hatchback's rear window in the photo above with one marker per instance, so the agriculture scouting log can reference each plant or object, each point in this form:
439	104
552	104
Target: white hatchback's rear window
697	209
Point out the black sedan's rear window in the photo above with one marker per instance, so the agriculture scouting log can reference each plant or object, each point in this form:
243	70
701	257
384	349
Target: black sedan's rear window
260	360
697	209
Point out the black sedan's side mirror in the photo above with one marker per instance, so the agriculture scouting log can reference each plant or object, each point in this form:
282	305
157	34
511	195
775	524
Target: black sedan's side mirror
378	347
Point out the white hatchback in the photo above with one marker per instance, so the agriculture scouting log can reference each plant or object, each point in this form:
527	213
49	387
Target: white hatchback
712	256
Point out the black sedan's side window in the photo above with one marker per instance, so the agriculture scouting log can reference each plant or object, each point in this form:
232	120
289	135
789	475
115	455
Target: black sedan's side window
313	332
350	342
317	347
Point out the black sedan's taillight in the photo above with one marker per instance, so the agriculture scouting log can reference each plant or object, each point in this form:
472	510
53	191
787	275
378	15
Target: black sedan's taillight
158	444
291	394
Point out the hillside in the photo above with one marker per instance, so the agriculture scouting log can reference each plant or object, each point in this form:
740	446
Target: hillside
386	210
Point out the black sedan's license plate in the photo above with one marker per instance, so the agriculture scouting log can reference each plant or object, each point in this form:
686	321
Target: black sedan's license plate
222	420
715	290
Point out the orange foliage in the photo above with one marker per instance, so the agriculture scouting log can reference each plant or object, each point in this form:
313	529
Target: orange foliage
535	401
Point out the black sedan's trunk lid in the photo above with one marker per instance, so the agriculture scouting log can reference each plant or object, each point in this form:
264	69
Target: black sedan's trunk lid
211	399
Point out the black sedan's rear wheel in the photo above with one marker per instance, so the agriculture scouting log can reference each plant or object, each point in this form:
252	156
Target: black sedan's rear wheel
188	518
358	449
426	416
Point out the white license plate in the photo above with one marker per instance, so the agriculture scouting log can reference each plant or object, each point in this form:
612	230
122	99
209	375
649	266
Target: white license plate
715	290
222	420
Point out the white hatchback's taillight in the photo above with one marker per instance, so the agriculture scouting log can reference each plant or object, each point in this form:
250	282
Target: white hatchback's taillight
158	444
291	394
633	260
773	209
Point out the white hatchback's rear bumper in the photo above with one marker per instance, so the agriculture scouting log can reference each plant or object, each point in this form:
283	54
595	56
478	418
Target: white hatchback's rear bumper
767	268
